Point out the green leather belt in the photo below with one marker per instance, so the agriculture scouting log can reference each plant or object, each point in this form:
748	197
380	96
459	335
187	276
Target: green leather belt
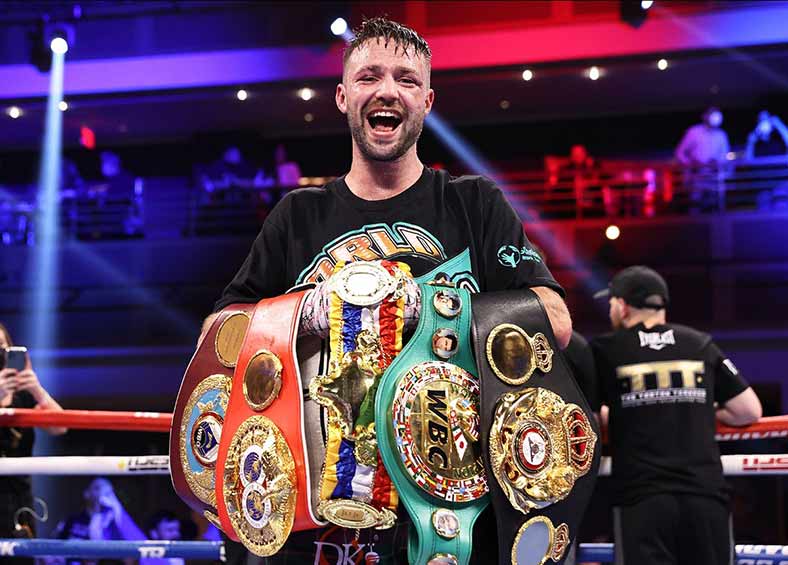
427	426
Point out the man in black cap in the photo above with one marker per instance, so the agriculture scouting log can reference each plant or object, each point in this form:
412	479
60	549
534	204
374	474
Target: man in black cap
664	383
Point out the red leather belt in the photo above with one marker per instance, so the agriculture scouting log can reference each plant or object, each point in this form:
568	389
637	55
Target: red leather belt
262	484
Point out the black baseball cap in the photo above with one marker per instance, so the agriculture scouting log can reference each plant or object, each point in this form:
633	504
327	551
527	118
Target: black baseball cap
639	286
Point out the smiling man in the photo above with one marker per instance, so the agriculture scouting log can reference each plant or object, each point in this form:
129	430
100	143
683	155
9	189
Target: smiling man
390	206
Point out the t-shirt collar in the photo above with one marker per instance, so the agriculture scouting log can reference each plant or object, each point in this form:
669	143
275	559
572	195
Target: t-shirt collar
407	196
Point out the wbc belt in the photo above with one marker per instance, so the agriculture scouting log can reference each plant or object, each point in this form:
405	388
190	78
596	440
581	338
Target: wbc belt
200	409
262	480
538	434
426	417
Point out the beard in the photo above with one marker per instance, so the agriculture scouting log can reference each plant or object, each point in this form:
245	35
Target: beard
411	131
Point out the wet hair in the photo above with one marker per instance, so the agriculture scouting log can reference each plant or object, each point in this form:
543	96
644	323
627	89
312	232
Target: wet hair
381	27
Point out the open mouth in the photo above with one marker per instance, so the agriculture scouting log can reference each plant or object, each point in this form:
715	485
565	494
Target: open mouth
383	121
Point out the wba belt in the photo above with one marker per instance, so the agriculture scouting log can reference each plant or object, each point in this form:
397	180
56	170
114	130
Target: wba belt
426	414
262	484
366	321
200	409
538	435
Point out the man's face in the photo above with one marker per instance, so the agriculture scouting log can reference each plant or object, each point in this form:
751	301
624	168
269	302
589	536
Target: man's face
97	490
617	312
386	96
168	530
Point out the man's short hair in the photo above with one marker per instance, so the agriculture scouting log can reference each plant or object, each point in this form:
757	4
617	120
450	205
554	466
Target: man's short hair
159	517
402	36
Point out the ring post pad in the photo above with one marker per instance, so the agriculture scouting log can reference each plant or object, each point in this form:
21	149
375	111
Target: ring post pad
200	408
262	482
538	434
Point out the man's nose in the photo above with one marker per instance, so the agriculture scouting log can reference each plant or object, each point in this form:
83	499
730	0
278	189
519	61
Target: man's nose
387	89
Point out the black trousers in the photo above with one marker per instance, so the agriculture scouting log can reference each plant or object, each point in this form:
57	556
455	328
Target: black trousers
674	529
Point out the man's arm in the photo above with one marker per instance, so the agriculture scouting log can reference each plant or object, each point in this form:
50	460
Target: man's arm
558	314
741	410
206	325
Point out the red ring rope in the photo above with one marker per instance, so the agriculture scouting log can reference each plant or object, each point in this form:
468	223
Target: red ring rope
770	427
86	419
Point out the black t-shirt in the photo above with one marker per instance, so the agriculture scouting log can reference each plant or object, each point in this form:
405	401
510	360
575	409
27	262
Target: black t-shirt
462	227
661	385
581	360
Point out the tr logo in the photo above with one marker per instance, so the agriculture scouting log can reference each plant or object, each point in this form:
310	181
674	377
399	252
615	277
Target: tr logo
8	547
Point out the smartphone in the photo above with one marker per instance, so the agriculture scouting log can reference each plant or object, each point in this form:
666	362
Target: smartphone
16	357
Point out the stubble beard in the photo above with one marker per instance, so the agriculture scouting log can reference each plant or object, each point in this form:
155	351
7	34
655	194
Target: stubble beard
411	131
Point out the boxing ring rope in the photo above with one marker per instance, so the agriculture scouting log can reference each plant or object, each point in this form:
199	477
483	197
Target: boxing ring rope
732	465
86	419
765	428
214	550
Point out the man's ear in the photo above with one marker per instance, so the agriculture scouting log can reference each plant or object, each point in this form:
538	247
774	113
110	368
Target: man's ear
429	102
341	98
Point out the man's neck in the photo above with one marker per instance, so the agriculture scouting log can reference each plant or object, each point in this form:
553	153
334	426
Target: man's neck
648	320
379	180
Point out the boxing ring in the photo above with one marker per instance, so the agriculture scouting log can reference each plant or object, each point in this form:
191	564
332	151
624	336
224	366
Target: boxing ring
733	465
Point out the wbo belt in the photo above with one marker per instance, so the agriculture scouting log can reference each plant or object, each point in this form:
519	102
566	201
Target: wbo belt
262	480
201	407
538	435
426	414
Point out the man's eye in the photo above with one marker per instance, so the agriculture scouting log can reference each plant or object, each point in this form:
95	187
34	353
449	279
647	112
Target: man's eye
407	80
367	79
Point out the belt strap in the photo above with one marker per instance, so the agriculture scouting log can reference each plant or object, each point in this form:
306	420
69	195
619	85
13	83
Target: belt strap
263	482
549	421
200	409
441	511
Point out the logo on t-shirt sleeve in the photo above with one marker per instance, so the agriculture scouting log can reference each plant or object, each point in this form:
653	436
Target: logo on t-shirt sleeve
730	366
656	340
511	256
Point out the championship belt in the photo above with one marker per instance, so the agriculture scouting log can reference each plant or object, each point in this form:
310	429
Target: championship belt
366	321
262	480
200	409
426	413
538	433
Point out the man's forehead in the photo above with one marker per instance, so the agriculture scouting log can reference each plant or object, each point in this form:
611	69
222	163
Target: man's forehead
378	52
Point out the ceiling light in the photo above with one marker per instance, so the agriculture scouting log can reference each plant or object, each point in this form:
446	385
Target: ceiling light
306	94
612	232
528	74
504	104
308	117
14	112
662	64
62	105
242	95
646	4
58	45
339	26
594	73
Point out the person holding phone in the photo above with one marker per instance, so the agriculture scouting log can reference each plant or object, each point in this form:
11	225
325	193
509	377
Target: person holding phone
19	388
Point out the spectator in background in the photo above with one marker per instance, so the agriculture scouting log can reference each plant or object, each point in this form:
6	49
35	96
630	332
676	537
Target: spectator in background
703	152
103	518
165	526
288	173
231	171
768	139
19	389
705	143
116	183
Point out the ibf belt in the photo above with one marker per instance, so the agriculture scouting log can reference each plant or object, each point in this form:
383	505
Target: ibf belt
538	433
366	320
262	480
200	409
426	412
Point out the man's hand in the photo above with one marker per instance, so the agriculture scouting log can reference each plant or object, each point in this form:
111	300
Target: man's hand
557	313
206	325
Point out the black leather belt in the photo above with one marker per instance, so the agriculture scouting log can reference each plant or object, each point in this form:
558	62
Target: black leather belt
538	432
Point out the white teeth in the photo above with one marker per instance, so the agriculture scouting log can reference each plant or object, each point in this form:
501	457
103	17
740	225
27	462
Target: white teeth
383	114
